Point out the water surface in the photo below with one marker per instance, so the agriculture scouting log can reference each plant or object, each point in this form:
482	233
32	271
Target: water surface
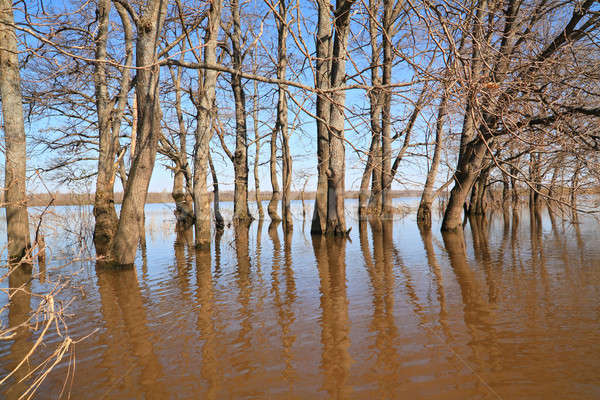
510	309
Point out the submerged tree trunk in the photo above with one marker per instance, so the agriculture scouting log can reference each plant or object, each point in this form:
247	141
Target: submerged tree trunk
240	157
184	211
329	217
282	116
466	173
323	68
109	124
181	193
104	204
472	148
218	217
514	189
372	167
386	112
207	80
424	211
505	191
15	157
574	187
478	203
148	131
275	191
261	213
535	179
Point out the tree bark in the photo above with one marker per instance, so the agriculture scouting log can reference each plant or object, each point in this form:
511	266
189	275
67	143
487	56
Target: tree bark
329	216
15	157
104	205
275	190
261	213
240	158
472	149
478	203
109	124
148	132
323	68
424	211
282	116
372	167
207	80
181	193
218	217
386	112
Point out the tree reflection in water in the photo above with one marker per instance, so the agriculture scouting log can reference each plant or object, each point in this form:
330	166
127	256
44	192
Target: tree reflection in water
330	253
19	310
129	341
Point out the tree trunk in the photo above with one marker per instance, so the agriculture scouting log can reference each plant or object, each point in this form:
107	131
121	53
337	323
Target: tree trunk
15	157
109	125
323	69
514	187
207	80
218	217
505	191
478	204
535	180
329	218
472	148
574	187
184	211
372	169
104	204
467	170
424	211
276	192
184	203
240	158
282	116
148	131
386	114
261	213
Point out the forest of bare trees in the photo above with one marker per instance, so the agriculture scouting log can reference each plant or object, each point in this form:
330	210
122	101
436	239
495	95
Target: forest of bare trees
485	102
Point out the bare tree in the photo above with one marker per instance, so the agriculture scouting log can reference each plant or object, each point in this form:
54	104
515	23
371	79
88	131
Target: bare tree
331	46
149	25
512	79
110	114
282	113
17	219
240	156
207	80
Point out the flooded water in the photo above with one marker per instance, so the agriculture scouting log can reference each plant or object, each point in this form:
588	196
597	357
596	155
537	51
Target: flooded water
510	309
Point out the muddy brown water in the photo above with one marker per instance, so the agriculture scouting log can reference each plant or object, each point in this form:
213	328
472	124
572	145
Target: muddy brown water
508	310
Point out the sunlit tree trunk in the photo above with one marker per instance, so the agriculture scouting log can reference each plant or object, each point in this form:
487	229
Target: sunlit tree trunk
104	205
424	211
240	157
261	213
373	167
218	217
148	27
329	217
109	126
282	116
177	152
206	97
275	190
15	157
386	111
323	66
